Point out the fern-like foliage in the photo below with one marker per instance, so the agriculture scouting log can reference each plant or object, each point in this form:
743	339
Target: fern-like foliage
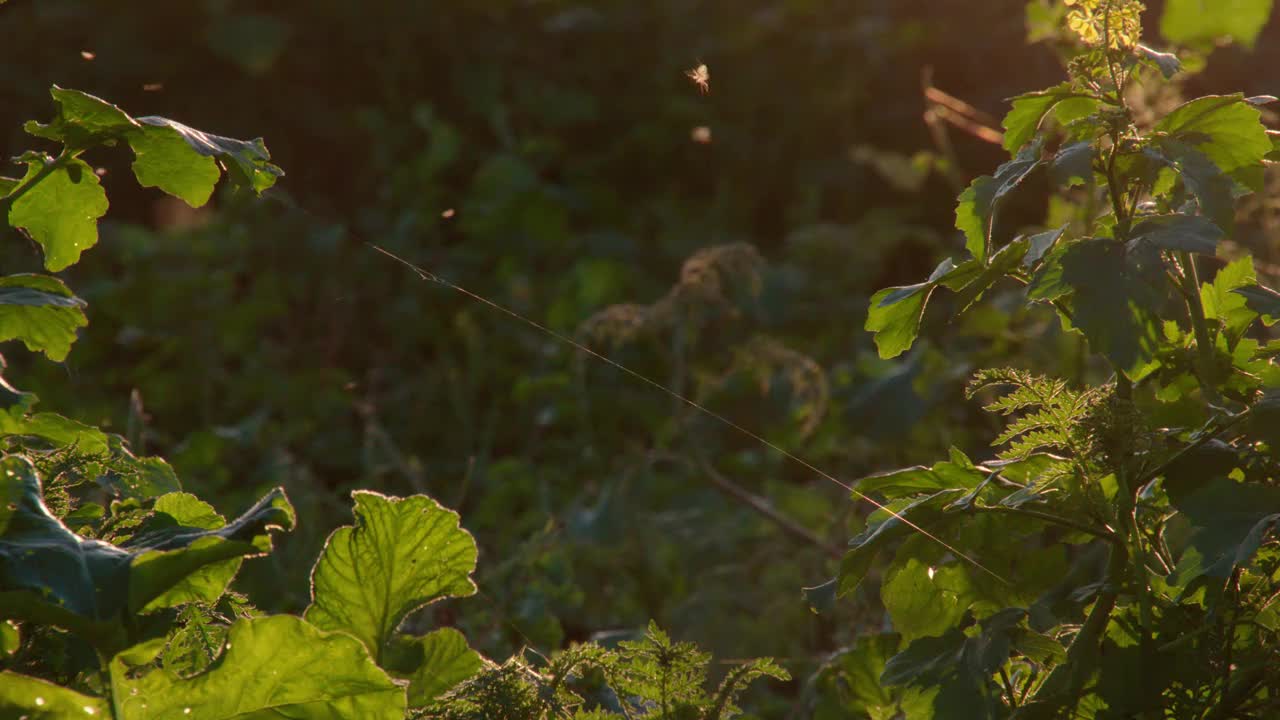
652	678
1046	413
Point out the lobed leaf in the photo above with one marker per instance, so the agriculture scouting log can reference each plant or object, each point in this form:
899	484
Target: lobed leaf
41	312
277	666
400	555
975	210
51	575
61	210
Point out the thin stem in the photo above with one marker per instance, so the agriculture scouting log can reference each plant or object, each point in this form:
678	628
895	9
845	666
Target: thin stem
1195	310
1051	519
1008	688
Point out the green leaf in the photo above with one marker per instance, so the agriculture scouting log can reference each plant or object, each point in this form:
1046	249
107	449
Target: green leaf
1212	189
1039	244
1028	111
165	160
928	512
1204	22
1226	128
924	600
1111	304
10	638
401	555
945	475
41	312
245	160
170	565
894	317
276	666
895	313
1229	520
1223	301
433	664
55	429
82	121
7	185
61	210
1262	300
1193	233
184	510
1073	164
50	575
977	205
29	698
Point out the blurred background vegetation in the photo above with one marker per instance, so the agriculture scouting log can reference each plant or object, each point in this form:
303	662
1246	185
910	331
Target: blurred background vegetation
551	155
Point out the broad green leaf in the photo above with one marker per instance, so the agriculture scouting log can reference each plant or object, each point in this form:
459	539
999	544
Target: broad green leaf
61	210
1027	112
945	475
165	160
41	312
82	121
433	664
1223	302
1073	164
976	207
1262	300
1111	304
924	600
401	554
276	666
1193	233
1226	128
50	575
1229	521
27	698
54	429
166	557
895	313
179	510
1212	189
882	528
1203	22
1039	244
245	160
894	317
1006	259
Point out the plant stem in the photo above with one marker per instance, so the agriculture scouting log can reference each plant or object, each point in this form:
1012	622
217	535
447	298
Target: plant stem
1195	309
1052	519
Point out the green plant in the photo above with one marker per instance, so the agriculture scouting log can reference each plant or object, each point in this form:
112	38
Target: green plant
1120	556
124	609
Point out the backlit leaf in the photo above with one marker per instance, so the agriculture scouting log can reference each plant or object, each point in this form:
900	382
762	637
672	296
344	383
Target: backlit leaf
277	666
976	207
164	159
28	698
245	160
41	312
401	554
60	211
1202	22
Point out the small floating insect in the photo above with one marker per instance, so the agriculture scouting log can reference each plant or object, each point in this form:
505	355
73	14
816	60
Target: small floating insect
701	77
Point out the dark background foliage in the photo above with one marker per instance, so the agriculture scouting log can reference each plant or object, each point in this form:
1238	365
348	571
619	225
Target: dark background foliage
540	153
